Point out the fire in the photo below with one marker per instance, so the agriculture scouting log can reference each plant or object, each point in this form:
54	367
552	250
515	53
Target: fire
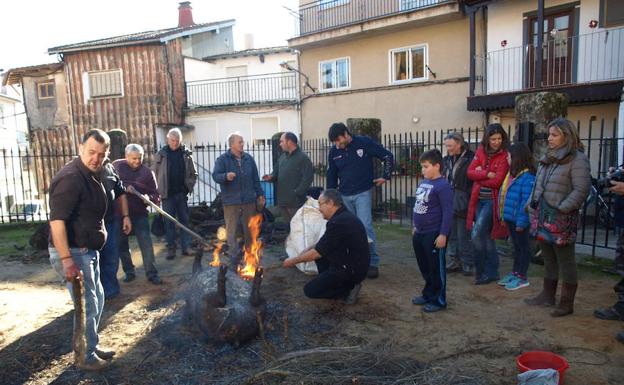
216	261
252	254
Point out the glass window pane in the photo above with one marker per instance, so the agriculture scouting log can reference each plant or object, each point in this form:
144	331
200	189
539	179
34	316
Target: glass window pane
400	65
561	22
342	73
418	63
51	89
326	75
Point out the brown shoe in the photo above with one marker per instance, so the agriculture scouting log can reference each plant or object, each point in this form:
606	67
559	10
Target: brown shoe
171	252
566	303
547	296
105	354
93	364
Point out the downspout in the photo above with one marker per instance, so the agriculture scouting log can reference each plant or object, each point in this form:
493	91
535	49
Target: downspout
299	100
70	109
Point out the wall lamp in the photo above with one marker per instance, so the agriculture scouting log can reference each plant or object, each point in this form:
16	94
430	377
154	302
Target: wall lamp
288	67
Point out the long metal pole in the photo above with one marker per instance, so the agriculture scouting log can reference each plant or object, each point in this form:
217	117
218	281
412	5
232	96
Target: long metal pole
162	212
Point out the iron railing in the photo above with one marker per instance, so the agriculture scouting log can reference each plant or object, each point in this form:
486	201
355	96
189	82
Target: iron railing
323	15
25	176
593	57
243	90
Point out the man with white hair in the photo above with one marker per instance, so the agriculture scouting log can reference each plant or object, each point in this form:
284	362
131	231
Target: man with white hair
237	174
175	176
135	175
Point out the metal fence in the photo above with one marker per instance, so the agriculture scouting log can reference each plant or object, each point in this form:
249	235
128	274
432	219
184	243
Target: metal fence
592	57
327	14
25	177
267	88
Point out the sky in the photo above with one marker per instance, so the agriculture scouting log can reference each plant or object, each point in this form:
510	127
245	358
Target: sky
29	27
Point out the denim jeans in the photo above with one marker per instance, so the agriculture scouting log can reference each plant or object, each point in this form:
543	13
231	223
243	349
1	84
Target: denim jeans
176	206
109	259
362	205
459	244
486	257
522	249
87	261
141	229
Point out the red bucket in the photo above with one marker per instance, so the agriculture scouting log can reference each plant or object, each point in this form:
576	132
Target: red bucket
542	360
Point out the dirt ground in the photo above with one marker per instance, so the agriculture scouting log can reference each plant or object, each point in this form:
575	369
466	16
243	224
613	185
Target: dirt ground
381	338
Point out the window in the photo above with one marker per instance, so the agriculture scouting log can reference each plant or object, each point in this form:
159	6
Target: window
326	4
334	74
611	13
45	90
408	64
103	84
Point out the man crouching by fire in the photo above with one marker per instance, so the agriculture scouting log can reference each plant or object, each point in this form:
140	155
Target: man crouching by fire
341	255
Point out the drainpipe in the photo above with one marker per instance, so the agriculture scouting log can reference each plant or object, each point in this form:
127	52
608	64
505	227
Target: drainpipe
540	42
621	131
299	102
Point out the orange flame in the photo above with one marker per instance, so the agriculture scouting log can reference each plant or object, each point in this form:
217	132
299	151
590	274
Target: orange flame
216	261
252	254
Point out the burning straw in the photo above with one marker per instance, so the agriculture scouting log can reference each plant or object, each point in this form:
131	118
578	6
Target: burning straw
355	365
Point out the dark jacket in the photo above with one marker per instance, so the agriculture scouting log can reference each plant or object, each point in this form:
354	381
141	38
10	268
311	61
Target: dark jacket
112	185
353	165
78	198
245	187
292	176
161	170
499	165
143	180
455	171
345	245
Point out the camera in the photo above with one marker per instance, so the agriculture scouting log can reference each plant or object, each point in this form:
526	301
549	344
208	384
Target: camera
605	183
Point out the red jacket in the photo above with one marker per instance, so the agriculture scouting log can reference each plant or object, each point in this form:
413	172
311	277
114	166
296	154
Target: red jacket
499	165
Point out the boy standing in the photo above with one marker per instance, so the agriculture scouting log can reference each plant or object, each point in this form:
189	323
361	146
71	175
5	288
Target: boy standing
432	218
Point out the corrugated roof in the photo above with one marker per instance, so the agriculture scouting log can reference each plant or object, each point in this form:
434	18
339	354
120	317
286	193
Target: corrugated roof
14	75
250	52
160	35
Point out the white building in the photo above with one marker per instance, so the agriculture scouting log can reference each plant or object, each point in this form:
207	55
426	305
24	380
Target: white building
245	91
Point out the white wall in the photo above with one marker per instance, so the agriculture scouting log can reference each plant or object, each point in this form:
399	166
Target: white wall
195	70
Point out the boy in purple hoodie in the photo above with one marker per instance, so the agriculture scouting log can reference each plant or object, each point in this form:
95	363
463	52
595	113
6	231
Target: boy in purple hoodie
432	218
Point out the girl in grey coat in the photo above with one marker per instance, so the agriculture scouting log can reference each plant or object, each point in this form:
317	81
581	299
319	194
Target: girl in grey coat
562	184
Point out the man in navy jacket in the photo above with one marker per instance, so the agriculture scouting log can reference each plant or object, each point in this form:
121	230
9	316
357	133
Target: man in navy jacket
237	174
350	170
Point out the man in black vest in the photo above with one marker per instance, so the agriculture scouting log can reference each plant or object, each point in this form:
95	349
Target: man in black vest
341	255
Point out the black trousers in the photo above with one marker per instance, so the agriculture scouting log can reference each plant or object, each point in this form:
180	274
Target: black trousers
432	264
332	282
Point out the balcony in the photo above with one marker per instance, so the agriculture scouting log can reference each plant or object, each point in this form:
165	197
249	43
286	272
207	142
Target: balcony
277	88
567	64
324	15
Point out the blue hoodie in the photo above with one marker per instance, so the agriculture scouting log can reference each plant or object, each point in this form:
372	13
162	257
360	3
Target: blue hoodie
516	198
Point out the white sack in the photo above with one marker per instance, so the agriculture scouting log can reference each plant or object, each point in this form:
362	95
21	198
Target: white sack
306	227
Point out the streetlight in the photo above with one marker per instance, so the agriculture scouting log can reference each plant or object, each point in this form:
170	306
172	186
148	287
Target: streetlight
288	67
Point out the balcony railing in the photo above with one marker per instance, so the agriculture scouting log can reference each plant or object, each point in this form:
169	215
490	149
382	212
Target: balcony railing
242	90
322	15
594	57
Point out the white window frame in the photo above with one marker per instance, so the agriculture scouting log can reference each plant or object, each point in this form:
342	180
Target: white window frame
86	85
329	4
409	71
334	66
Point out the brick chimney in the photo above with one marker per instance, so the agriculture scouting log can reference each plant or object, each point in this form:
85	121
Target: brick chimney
185	15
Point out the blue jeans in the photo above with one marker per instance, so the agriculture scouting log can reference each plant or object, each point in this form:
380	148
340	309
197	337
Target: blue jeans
109	259
176	206
522	249
141	229
362	205
87	261
486	257
459	245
